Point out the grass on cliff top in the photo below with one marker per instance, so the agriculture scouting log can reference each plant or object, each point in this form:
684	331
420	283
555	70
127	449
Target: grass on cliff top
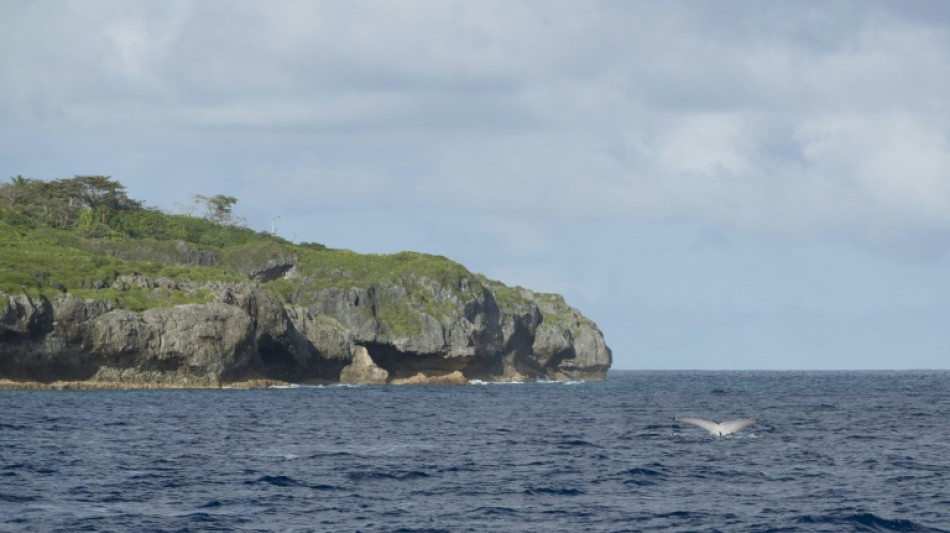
252	255
78	235
343	269
45	262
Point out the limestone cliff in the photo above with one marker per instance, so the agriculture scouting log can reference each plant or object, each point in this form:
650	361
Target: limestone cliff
100	290
420	331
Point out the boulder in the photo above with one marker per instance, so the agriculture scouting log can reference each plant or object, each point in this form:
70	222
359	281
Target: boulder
452	378
363	370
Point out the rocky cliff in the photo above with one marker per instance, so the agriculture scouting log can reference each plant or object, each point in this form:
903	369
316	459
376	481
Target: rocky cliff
297	329
99	290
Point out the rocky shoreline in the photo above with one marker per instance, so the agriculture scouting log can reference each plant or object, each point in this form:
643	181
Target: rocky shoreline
246	337
6	384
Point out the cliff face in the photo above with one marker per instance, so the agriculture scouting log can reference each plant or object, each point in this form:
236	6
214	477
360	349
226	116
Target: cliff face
419	332
99	289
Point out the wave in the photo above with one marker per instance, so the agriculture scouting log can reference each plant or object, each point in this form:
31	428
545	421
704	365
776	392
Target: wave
538	382
14	498
868	521
419	530
645	472
381	475
213	504
553	491
496	510
281	481
277	481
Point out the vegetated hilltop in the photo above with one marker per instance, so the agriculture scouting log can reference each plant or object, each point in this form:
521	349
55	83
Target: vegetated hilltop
97	289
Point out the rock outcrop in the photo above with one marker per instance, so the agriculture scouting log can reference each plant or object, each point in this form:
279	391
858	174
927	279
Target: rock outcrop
363	369
423	332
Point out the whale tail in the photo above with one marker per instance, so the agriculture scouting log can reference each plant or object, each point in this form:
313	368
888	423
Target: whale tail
718	429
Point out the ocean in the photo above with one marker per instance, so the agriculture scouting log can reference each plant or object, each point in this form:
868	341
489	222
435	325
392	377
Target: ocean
832	451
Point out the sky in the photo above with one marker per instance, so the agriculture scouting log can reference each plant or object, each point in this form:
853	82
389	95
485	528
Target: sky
718	185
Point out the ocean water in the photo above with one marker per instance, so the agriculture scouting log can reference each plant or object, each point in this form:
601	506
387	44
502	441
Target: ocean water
834	451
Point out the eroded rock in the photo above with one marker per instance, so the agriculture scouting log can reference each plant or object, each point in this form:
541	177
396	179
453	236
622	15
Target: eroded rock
363	370
452	378
425	334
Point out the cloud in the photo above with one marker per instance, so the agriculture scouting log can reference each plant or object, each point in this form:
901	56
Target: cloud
704	145
778	119
899	163
719	168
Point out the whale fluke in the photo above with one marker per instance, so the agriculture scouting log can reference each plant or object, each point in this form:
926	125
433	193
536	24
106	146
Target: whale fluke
718	429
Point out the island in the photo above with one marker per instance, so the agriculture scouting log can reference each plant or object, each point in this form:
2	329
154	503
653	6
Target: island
97	290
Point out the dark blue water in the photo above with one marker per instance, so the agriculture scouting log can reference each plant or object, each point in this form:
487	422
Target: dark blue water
833	452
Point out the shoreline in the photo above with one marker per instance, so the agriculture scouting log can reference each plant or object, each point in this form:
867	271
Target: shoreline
8	384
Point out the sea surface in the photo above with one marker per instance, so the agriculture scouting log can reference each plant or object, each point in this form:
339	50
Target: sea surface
833	451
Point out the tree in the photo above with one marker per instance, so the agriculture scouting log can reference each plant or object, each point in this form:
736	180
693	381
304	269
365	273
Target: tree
218	209
91	201
97	192
15	190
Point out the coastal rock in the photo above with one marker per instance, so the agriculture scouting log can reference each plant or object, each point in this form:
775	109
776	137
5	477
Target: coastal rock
24	317
184	344
363	370
452	378
425	332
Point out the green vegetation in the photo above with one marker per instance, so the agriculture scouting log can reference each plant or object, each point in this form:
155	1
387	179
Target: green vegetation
400	317
346	269
245	258
44	262
79	235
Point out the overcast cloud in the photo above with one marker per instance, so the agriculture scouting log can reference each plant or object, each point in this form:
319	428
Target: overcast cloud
717	184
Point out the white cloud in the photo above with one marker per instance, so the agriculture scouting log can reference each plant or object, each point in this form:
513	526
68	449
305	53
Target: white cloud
773	118
898	166
704	144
